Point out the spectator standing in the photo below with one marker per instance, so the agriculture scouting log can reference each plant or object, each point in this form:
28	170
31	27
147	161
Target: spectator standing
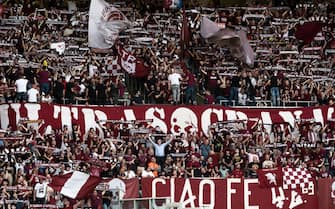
205	148
190	88
274	89
33	94
91	92
174	80
101	92
21	85
40	192
235	85
160	149
43	78
58	90
69	91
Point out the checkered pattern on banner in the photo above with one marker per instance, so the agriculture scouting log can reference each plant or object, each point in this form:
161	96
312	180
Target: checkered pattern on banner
294	177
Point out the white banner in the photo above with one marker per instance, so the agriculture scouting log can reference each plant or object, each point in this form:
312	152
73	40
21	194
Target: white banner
105	24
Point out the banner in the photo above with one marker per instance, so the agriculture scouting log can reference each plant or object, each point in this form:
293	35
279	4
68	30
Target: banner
132	65
171	119
326	193
228	193
105	24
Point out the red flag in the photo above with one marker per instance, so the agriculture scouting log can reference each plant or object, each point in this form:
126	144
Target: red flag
132	65
308	31
76	185
270	177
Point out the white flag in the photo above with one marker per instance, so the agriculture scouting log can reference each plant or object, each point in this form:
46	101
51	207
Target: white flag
59	46
105	24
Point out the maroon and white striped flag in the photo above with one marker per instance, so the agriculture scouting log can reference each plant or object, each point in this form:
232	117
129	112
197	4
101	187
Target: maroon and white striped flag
75	185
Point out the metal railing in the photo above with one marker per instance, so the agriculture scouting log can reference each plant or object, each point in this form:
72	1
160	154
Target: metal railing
268	103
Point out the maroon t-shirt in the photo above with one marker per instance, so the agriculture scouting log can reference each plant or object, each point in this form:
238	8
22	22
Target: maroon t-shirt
43	76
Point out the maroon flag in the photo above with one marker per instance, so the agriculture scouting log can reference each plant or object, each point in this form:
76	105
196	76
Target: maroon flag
185	30
270	177
132	65
185	33
308	31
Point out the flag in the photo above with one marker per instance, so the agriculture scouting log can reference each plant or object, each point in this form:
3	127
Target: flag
270	177
59	47
307	31
75	185
105	24
185	33
296	177
132	65
248	56
173	4
185	30
2	9
236	41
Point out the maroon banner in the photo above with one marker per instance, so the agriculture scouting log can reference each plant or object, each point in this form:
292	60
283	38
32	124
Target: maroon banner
326	193
228	193
171	119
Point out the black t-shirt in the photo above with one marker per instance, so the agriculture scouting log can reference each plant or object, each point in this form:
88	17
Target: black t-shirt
274	81
235	81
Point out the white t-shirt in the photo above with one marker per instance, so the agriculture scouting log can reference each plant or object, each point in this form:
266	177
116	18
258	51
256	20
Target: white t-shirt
147	174
32	95
21	85
174	78
41	190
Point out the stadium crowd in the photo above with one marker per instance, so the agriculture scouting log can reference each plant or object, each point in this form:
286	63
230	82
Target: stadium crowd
285	70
